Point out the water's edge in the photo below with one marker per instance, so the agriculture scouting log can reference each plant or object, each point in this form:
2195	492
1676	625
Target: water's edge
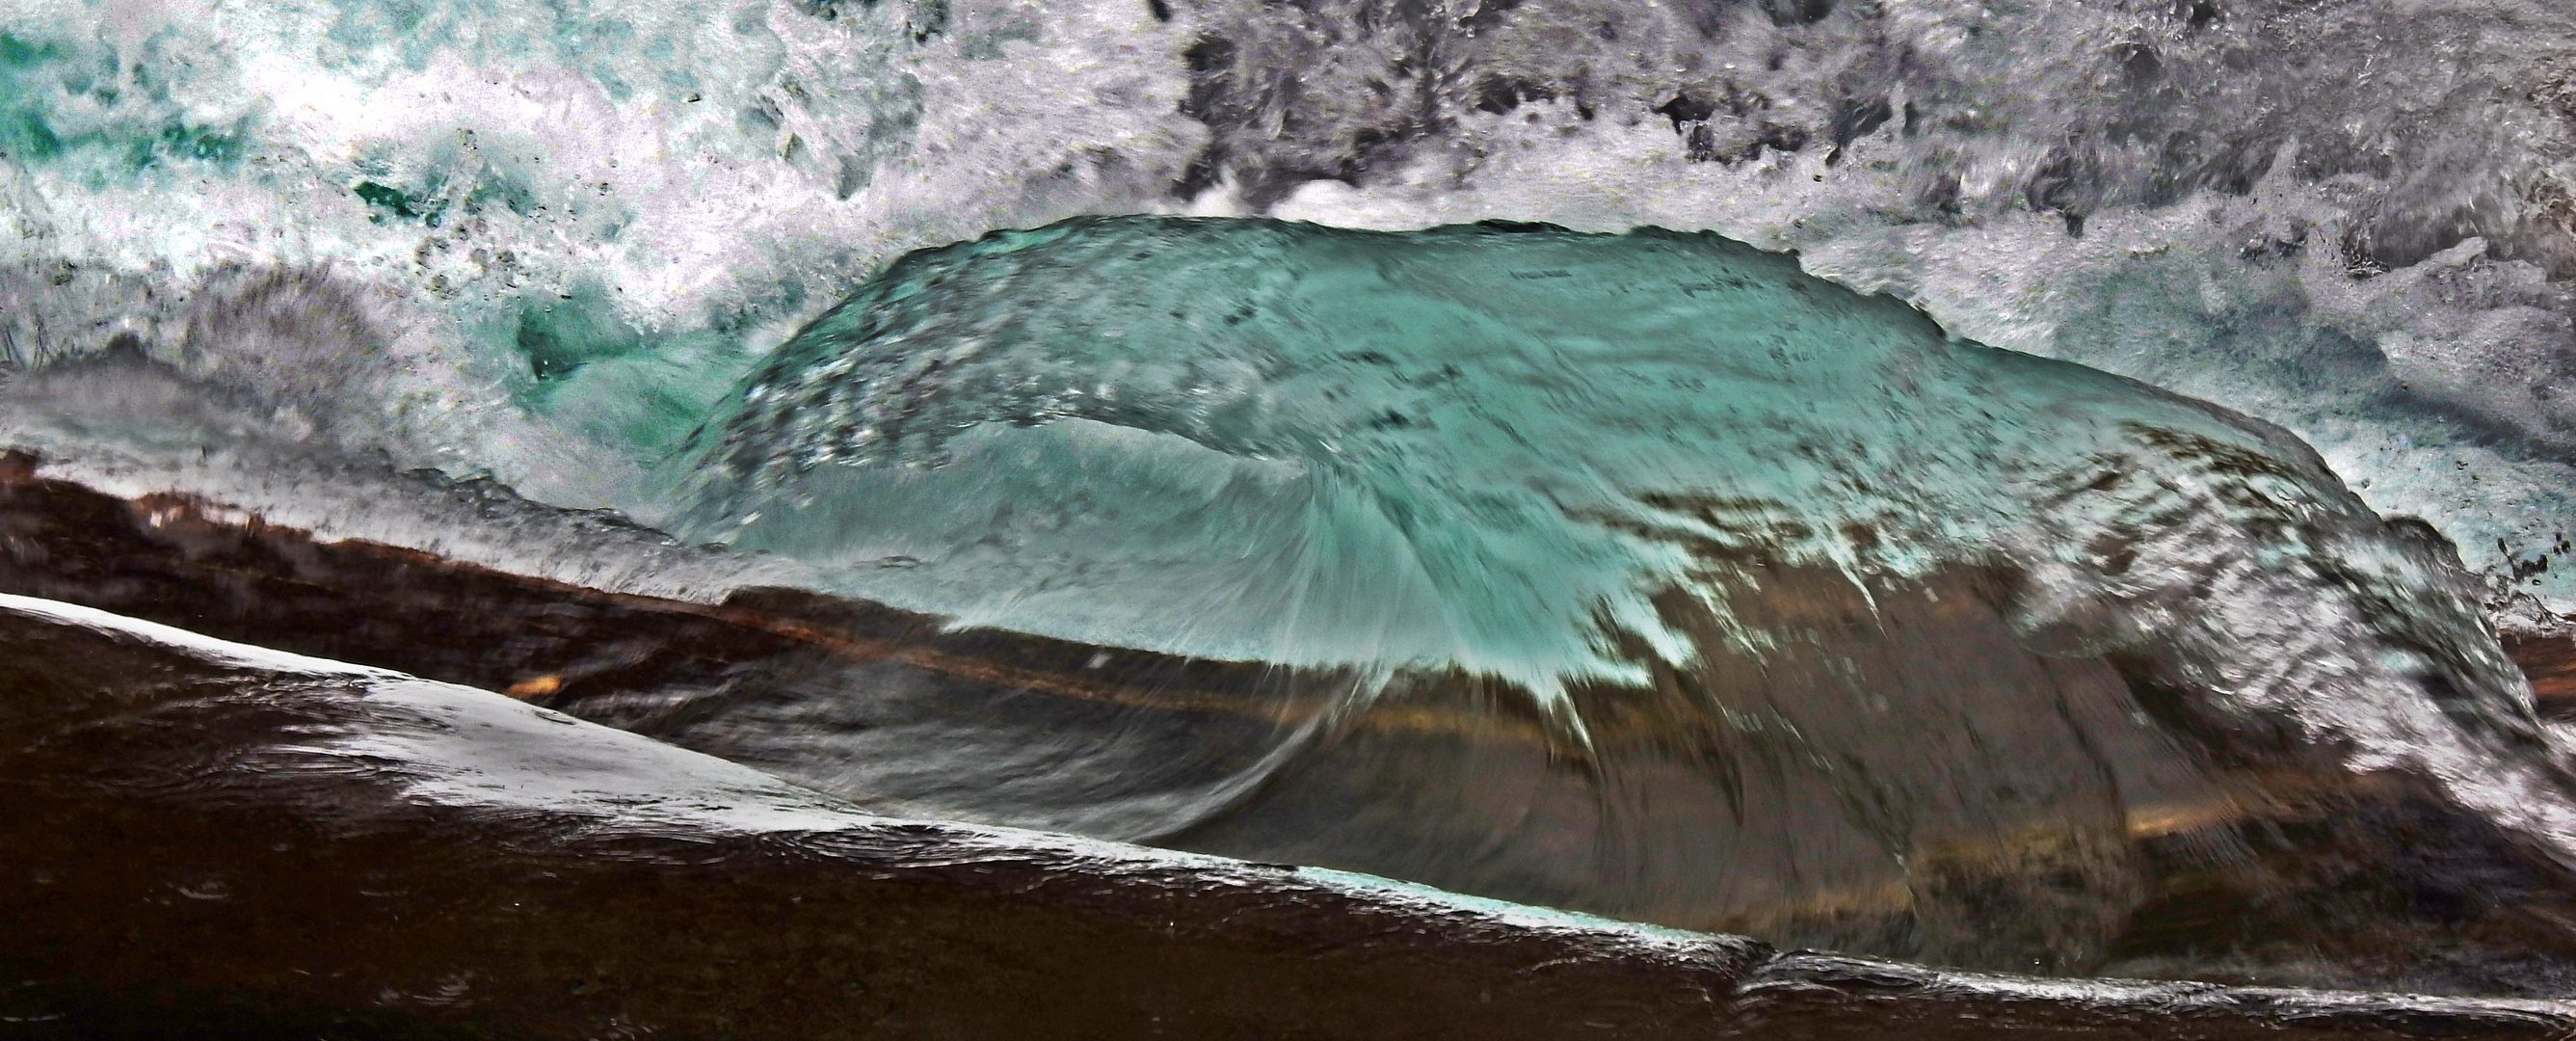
482	862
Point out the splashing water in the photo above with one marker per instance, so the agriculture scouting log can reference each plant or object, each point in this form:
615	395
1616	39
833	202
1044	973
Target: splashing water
1487	447
1814	591
1639	574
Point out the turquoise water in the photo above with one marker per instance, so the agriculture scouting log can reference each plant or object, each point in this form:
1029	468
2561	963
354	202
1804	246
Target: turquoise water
1862	635
1642	575
1486	446
1823	611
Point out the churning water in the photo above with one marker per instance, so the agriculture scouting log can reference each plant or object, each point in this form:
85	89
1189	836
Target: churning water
1643	575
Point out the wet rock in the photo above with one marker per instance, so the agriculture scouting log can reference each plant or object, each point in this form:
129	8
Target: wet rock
215	838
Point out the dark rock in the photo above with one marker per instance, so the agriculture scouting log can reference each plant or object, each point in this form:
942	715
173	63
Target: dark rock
210	840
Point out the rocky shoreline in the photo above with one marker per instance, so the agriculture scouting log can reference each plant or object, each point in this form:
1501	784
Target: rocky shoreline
216	839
